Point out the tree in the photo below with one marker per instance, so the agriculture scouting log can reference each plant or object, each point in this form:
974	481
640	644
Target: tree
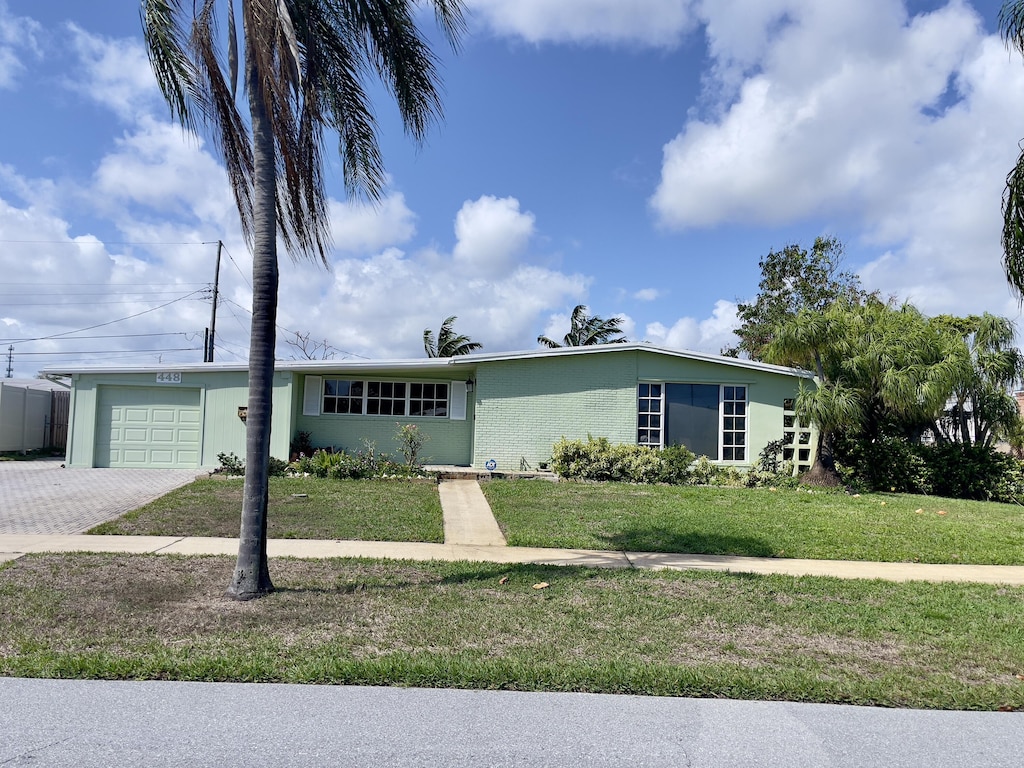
880	369
1011	25
793	279
304	64
310	349
448	344
980	409
586	330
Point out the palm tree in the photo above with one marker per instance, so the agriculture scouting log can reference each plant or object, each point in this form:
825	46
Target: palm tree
1011	25
586	330
448	344
304	64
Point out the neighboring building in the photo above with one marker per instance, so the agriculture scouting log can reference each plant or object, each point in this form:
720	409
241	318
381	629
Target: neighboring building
33	414
508	408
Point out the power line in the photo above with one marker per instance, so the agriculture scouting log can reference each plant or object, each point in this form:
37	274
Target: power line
101	325
110	351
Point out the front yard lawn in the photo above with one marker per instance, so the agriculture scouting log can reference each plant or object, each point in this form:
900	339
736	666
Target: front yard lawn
757	522
299	508
471	625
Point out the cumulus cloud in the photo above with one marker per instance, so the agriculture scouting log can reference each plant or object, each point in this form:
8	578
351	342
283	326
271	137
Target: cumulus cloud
360	227
492	233
708	335
644	22
898	128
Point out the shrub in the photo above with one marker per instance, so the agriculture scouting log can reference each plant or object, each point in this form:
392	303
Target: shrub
359	465
677	464
599	459
704	472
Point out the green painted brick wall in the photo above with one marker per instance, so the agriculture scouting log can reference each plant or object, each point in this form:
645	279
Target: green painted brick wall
524	406
448	440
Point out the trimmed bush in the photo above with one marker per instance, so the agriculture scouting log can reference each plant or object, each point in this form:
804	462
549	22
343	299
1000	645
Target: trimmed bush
598	459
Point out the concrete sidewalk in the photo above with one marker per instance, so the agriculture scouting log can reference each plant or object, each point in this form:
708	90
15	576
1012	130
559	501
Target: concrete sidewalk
472	534
16	545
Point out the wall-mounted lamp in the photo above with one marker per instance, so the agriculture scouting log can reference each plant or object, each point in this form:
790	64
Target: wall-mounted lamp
469	385
243	412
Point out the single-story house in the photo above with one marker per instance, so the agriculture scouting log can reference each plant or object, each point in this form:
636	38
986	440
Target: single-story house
496	411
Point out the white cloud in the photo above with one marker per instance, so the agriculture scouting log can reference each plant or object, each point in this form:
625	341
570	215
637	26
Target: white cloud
360	227
18	35
492	233
115	73
900	129
708	335
646	22
647	294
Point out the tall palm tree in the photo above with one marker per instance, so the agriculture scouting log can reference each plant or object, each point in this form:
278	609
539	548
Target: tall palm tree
448	343
586	330
1011	25
304	64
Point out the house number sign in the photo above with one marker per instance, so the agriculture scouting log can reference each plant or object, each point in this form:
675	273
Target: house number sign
169	378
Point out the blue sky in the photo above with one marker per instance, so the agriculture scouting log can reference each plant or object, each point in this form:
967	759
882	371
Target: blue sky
636	157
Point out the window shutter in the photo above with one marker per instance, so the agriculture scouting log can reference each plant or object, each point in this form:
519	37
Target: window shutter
311	396
457	412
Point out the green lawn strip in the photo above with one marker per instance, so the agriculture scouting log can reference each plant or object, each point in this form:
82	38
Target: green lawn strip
757	522
947	646
299	508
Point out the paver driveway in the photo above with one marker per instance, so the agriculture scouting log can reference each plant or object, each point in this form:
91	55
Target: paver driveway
43	497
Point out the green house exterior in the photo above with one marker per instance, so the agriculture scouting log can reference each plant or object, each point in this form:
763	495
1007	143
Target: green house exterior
501	411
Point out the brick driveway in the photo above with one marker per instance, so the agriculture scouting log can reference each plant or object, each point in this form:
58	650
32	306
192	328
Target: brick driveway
42	497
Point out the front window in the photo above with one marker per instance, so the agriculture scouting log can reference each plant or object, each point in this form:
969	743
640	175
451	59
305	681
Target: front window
385	398
709	419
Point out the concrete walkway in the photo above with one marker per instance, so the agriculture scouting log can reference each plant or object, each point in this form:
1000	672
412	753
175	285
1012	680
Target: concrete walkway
472	534
467	515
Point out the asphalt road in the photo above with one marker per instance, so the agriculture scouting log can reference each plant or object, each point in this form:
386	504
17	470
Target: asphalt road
99	723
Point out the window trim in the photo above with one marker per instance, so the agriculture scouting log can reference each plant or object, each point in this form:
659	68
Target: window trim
365	398
745	432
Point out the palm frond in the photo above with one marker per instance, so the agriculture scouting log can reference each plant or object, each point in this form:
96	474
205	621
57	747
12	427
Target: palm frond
1013	226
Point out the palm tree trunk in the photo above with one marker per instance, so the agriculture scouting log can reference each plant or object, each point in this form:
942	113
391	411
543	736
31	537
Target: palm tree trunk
823	472
252	576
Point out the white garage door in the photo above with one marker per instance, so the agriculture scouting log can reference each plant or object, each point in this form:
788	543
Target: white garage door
148	427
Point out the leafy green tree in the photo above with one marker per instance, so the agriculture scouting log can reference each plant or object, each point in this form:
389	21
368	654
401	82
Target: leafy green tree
586	330
980	409
304	66
879	368
448	343
1011	25
792	280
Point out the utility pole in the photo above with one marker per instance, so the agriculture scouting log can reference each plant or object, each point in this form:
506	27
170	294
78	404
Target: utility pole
213	319
10	361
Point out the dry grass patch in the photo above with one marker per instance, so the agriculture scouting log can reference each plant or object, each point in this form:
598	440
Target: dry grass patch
458	625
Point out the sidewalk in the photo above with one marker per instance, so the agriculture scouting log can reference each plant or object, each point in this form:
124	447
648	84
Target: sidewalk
471	533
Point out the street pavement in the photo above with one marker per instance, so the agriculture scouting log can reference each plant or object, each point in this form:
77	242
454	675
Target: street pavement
94	724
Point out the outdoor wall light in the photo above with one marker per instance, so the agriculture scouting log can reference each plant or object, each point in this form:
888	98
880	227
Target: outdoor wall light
469	385
243	412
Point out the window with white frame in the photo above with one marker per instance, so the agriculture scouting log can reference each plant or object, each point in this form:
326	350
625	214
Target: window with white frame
734	423
709	419
648	420
385	398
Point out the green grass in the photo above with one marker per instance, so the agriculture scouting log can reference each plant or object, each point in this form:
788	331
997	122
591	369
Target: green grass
757	522
949	646
298	508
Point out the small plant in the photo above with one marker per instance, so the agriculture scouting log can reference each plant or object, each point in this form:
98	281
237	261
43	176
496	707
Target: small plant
302	444
704	472
410	440
230	464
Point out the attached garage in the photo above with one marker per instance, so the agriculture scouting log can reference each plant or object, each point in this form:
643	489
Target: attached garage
148	427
